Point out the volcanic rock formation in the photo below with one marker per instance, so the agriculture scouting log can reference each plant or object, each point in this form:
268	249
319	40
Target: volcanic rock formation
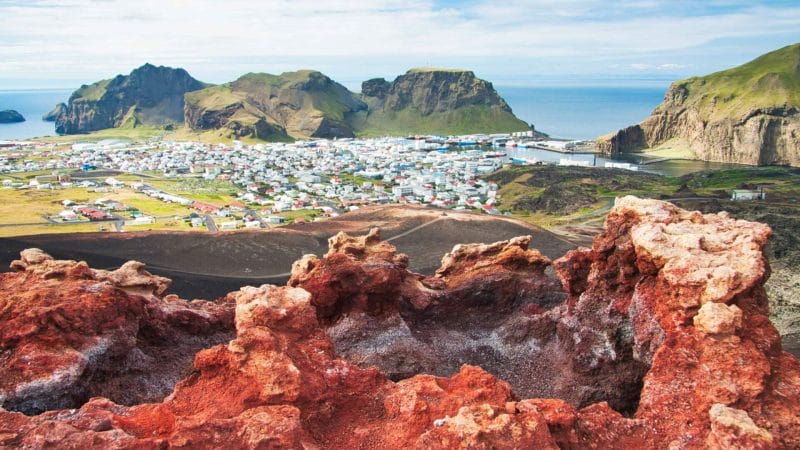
436	101
658	337
150	95
52	115
301	104
749	114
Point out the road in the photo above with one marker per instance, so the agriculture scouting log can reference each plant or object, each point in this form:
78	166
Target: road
258	217
210	224
415	229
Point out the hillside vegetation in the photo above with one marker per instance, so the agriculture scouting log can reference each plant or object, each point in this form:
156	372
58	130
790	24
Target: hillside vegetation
748	114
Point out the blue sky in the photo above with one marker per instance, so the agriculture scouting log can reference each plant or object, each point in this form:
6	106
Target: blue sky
63	43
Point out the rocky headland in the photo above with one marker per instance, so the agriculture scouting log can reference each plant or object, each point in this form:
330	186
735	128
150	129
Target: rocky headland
53	114
433	100
655	337
150	95
293	105
273	107
749	114
11	116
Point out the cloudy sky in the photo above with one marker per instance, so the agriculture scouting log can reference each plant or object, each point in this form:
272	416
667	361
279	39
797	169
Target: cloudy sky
61	43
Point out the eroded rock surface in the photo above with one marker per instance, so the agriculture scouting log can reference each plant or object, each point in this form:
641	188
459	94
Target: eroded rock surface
637	348
70	333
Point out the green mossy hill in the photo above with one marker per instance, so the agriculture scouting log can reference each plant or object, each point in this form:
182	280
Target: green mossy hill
769	81
149	95
749	114
11	116
443	101
298	104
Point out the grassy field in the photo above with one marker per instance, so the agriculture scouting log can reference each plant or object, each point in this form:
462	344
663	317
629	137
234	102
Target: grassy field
219	193
147	205
164	224
306	214
140	133
30	206
25	230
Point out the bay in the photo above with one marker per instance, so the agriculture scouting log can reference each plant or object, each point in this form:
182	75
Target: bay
32	104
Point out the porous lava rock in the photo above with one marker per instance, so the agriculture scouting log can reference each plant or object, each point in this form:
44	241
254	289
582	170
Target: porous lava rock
70	332
658	337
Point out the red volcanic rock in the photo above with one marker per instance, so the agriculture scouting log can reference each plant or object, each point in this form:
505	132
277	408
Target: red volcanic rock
69	332
652	343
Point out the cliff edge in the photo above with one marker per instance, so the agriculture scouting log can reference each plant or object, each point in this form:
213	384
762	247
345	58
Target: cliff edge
150	95
749	114
302	104
438	101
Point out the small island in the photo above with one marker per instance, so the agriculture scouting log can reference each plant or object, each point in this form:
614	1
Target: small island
11	116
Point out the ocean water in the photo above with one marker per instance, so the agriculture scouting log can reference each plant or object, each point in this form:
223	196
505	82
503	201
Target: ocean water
581	112
565	112
32	105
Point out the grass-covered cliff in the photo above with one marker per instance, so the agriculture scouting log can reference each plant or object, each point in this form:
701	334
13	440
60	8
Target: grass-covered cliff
443	101
293	105
149	96
298	104
748	114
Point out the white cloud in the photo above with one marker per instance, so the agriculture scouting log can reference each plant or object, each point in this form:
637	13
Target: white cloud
85	38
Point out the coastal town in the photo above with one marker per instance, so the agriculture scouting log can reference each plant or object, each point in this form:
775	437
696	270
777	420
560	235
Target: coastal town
263	185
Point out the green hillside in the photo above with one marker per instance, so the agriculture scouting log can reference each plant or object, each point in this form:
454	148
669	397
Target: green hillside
772	79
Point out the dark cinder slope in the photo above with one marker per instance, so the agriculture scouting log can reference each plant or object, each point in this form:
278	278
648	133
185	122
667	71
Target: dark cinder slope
205	265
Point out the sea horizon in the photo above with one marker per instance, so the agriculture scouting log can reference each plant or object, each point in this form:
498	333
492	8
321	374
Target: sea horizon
580	111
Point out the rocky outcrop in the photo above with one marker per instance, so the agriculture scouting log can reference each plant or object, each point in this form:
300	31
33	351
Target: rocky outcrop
150	95
11	116
298	104
657	337
437	101
70	333
375	87
53	114
749	115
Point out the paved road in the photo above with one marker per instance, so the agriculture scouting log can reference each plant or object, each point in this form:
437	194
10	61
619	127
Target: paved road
258	217
210	224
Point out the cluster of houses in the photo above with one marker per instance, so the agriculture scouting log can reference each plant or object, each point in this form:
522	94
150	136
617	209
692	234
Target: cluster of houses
329	176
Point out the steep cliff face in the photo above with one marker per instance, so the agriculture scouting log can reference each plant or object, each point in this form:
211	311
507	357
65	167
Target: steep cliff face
150	95
749	114
436	101
53	114
658	337
298	104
